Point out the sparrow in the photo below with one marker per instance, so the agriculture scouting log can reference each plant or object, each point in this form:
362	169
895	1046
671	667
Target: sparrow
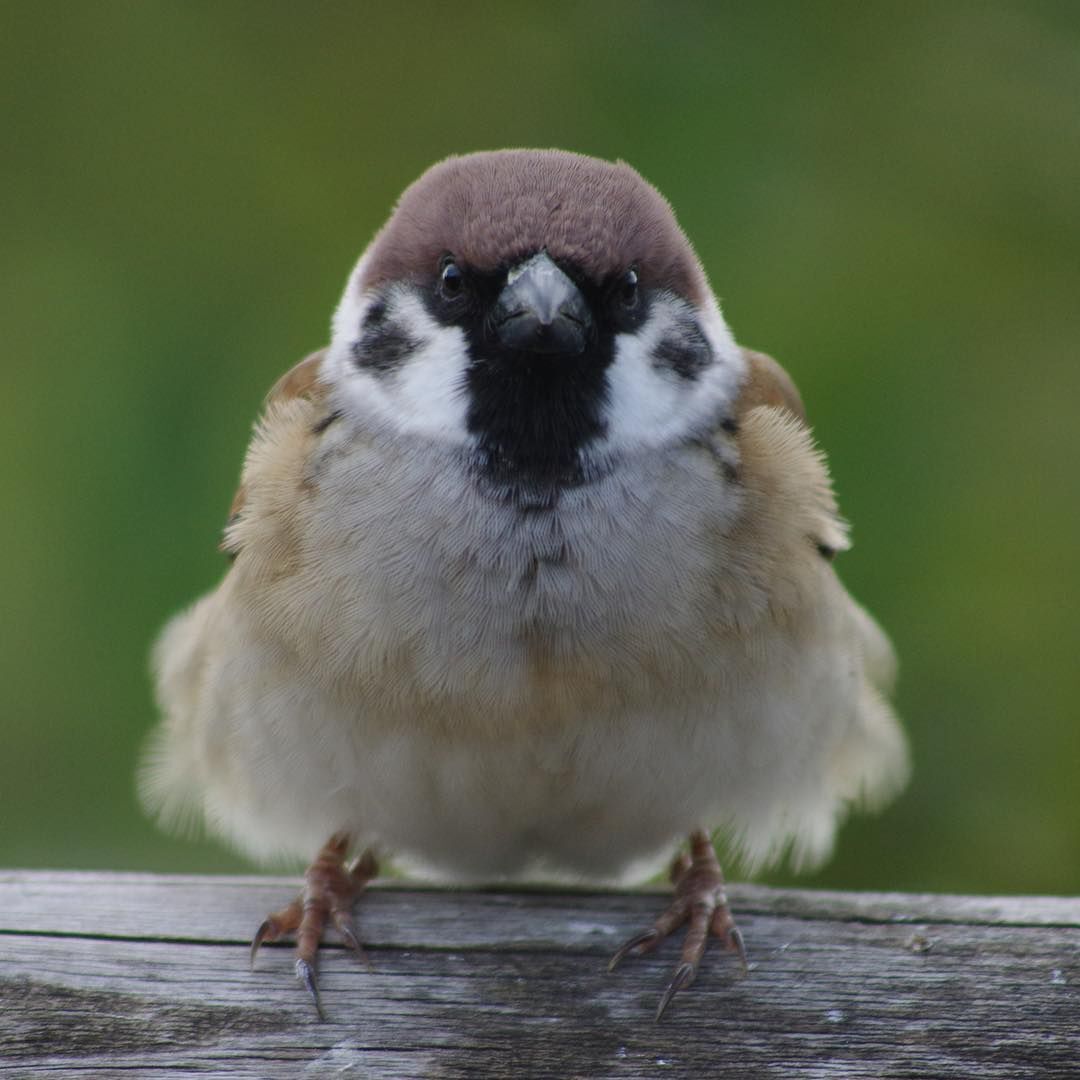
531	577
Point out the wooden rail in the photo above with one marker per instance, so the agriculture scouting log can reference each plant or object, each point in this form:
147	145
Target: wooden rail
124	975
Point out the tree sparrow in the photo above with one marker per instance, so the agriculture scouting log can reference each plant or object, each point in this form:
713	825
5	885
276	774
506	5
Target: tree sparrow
531	576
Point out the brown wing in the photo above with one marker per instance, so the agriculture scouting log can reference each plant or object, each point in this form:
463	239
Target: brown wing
767	383
769	386
300	381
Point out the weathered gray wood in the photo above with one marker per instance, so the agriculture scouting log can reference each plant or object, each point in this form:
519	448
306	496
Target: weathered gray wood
110	975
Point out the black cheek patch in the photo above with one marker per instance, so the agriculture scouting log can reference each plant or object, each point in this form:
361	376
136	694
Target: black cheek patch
684	350
383	346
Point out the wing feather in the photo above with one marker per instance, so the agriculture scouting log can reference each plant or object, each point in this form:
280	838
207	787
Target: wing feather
768	386
300	381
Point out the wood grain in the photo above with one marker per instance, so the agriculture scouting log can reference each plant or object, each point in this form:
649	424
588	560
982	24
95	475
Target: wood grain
110	975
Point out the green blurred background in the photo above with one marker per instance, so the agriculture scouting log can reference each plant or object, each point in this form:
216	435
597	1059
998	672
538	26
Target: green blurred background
886	197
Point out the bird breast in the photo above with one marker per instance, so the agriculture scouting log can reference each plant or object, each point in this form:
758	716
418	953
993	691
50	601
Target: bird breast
411	582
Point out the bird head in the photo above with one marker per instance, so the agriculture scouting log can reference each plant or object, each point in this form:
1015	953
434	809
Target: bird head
540	312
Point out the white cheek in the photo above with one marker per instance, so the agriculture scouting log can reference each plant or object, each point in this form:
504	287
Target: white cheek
428	391
649	404
426	395
642	401
351	308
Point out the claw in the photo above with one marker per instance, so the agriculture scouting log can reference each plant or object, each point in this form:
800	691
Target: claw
260	937
328	894
736	939
700	903
274	926
306	974
683	977
642	942
348	934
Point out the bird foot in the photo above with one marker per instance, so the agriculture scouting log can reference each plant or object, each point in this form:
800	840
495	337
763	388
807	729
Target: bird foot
328	894
701	902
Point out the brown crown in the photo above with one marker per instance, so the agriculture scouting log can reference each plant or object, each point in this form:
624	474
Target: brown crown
490	209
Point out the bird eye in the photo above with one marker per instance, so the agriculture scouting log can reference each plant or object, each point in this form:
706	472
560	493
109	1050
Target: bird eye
628	288
451	279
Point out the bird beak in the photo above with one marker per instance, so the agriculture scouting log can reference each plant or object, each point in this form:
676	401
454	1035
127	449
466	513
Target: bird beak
540	310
